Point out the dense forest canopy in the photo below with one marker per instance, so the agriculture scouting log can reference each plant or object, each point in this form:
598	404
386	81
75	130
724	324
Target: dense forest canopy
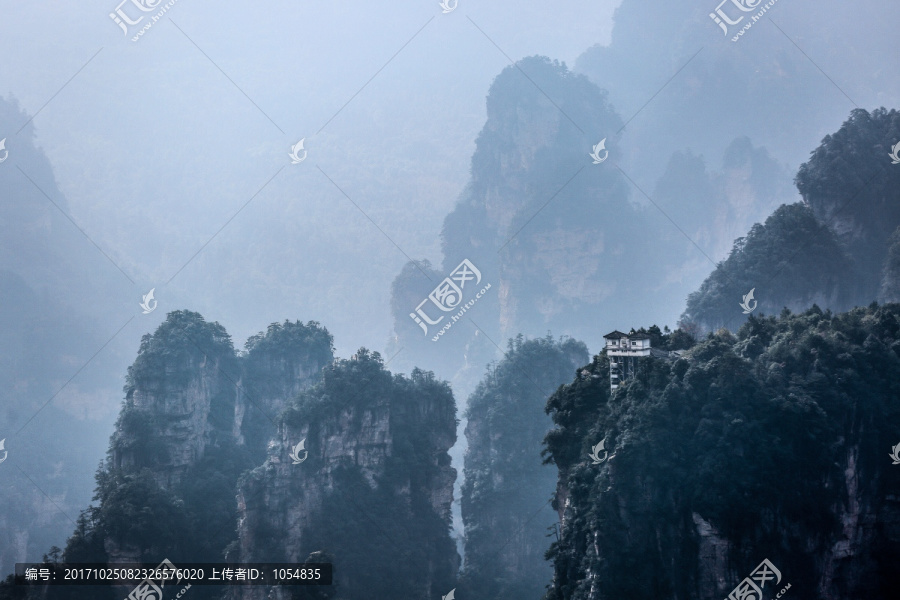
752	435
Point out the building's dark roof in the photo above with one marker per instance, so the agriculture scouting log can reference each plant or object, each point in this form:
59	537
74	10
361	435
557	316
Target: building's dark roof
638	336
615	335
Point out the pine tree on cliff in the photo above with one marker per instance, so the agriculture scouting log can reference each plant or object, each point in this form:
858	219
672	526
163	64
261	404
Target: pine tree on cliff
506	492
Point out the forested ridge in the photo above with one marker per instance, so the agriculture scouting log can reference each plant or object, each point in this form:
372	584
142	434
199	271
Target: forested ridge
772	443
837	248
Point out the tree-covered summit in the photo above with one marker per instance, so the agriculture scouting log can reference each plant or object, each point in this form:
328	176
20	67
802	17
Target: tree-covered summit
769	443
183	338
834	249
373	487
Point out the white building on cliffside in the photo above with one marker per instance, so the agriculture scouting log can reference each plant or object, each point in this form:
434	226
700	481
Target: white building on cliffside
624	350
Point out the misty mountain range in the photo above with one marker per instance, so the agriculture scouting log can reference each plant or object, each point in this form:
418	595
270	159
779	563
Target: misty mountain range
432	140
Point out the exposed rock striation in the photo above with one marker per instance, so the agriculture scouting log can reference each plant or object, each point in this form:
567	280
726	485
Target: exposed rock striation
179	399
278	364
372	486
531	158
194	417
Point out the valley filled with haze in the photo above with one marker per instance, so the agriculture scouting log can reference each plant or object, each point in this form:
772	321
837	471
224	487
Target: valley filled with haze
456	301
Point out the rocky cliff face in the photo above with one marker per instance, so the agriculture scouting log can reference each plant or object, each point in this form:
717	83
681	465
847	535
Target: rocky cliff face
531	158
55	297
356	473
851	185
525	164
194	417
278	364
835	249
890	277
564	239
188	389
372	484
771	445
186	393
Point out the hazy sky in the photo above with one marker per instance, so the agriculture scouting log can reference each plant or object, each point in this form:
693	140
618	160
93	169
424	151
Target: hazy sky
171	153
155	147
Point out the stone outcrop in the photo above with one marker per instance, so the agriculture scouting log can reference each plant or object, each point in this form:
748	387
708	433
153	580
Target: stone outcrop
190	397
373	476
188	389
278	364
345	464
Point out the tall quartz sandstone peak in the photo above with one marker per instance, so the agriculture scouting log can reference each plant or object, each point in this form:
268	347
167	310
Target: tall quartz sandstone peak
195	412
372	483
179	395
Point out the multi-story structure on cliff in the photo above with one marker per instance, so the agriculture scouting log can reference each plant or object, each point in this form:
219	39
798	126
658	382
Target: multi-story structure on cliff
624	350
